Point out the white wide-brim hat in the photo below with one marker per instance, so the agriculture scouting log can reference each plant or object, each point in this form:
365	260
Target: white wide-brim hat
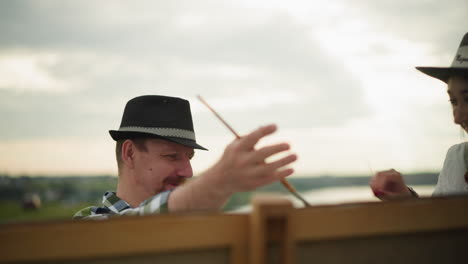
459	65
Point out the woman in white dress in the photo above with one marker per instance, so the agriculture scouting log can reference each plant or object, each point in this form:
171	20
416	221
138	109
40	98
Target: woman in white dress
453	179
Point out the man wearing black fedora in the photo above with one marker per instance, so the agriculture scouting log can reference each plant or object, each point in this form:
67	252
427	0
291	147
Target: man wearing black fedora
453	178
155	143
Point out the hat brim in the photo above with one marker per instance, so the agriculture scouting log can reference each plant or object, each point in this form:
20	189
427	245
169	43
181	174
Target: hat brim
118	135
443	74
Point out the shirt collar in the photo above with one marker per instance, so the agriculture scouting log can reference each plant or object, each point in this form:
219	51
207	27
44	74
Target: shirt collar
114	203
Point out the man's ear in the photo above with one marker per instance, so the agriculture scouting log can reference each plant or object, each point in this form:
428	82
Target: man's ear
128	153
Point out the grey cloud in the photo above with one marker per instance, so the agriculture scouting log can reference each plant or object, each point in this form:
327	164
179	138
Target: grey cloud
281	50
87	24
39	115
440	24
83	25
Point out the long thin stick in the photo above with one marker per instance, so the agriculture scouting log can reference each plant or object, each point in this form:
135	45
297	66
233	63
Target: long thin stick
283	181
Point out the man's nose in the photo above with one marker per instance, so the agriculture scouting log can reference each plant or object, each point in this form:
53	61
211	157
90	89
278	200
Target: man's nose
185	169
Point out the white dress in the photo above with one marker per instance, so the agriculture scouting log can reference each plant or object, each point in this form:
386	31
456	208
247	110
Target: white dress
452	177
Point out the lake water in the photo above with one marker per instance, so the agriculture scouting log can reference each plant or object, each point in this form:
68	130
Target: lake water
340	195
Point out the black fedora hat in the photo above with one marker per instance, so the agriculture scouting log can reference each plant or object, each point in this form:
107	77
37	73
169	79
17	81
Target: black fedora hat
156	116
459	65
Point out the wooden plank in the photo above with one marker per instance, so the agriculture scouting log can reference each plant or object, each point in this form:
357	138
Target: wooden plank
269	222
123	236
367	219
425	248
204	256
247	237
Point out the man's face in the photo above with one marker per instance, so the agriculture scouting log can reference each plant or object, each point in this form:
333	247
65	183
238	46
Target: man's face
162	166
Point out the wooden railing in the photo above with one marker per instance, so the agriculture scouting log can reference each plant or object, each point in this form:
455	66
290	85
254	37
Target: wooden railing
429	230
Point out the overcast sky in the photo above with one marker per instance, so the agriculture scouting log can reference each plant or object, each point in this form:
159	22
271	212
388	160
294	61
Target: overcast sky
337	77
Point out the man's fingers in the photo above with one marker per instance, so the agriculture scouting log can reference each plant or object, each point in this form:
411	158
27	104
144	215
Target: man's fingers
283	173
249	141
281	162
269	172
266	152
275	176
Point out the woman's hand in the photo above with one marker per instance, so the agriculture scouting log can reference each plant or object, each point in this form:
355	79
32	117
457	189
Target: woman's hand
389	185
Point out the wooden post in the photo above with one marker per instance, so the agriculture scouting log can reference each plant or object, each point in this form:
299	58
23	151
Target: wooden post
269	222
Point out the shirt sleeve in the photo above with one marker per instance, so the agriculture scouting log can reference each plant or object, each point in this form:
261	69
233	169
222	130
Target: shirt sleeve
451	176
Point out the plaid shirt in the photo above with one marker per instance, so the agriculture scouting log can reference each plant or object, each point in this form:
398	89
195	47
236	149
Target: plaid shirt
112	205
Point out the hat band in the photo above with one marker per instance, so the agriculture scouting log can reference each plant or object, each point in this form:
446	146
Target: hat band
461	59
162	131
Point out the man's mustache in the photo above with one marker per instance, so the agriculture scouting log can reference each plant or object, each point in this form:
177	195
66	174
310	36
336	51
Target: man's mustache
175	180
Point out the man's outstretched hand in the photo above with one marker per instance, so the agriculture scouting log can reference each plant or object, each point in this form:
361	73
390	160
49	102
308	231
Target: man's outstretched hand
241	168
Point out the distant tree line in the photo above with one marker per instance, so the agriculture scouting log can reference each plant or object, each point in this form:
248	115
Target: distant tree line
89	189
67	189
312	183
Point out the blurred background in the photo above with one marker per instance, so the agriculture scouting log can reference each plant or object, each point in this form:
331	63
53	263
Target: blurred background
337	77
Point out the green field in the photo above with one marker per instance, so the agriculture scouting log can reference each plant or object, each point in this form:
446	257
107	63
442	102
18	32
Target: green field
13	212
